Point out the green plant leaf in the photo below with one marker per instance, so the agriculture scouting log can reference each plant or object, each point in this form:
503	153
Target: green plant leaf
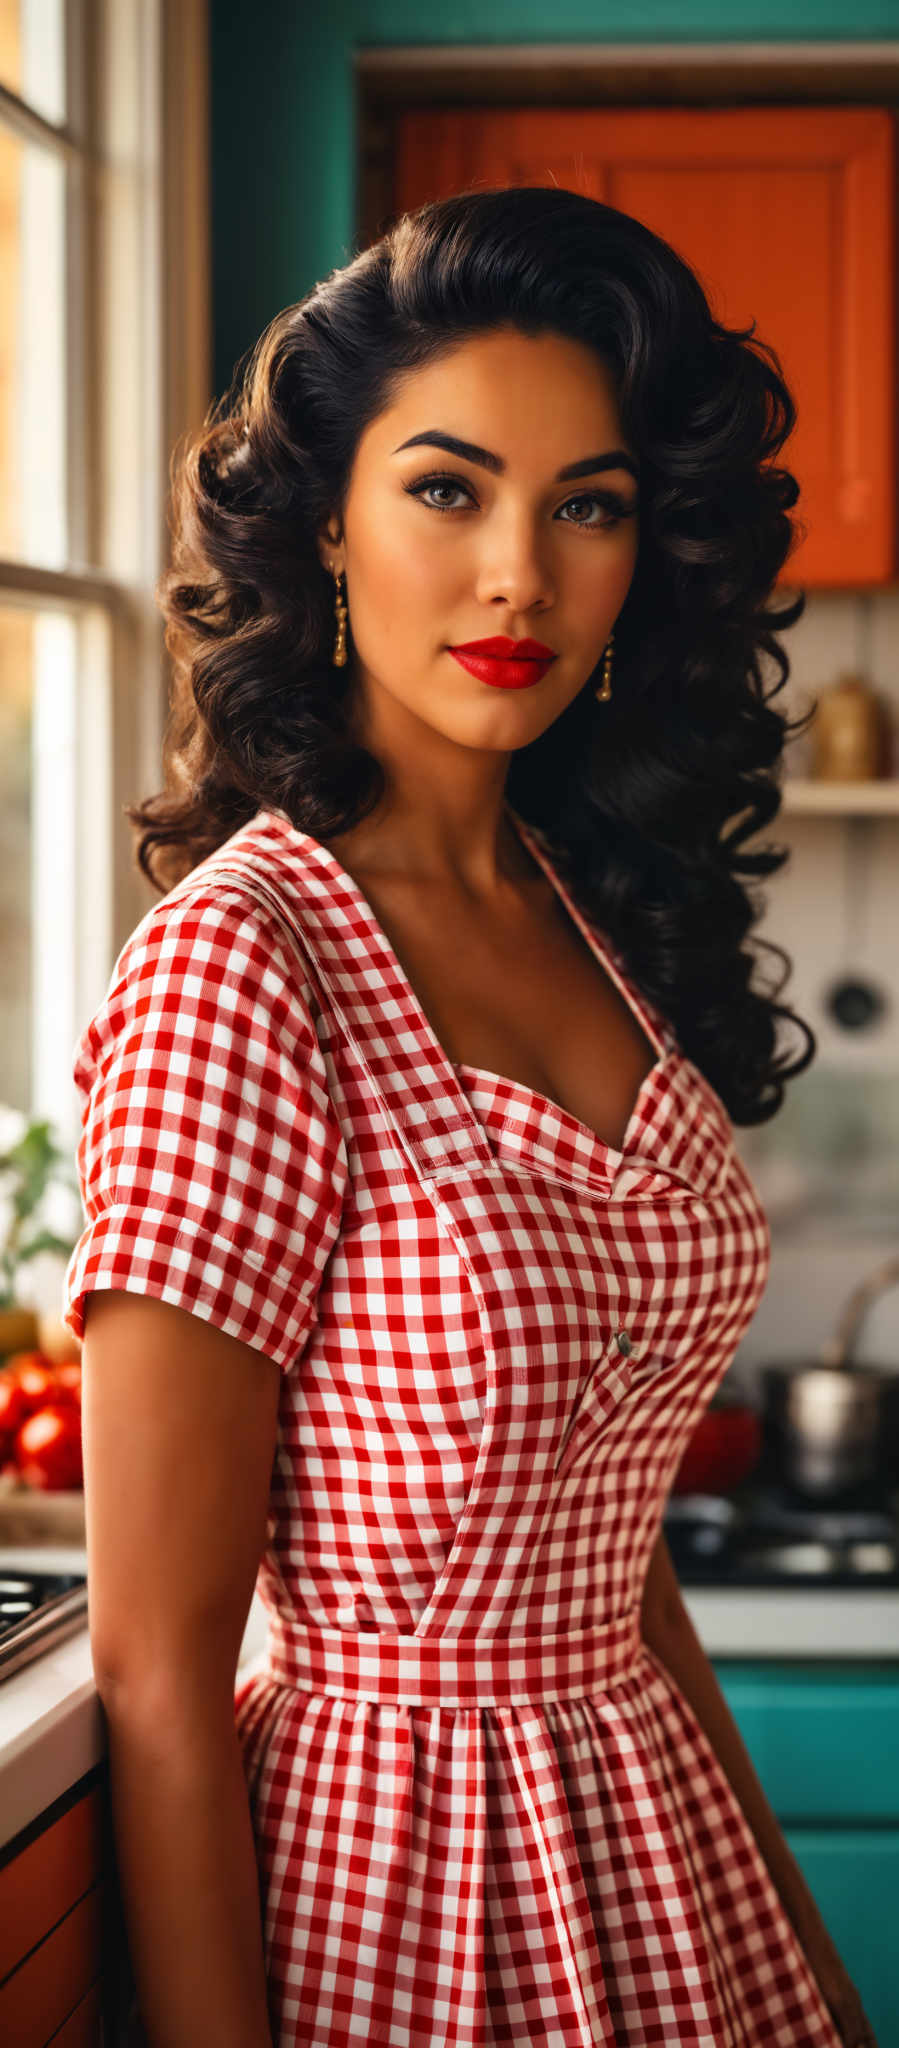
45	1241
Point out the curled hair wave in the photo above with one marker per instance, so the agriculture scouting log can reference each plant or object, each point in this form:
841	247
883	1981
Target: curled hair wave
649	801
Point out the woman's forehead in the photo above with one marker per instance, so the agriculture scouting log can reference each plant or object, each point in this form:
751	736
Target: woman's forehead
496	390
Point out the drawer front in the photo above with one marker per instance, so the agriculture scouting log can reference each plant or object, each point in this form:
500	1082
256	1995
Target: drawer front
41	1884
48	1986
83	2028
822	1737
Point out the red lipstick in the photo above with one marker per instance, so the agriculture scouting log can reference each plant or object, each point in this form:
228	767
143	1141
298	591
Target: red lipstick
506	664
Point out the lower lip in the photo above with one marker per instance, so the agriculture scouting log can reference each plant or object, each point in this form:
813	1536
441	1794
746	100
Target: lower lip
504	675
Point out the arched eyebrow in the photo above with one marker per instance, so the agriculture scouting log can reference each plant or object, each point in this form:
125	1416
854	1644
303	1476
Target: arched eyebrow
589	465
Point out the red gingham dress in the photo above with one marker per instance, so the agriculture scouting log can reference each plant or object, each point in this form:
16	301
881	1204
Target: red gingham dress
484	1811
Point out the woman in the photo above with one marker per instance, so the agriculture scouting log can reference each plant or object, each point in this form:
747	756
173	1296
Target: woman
413	1203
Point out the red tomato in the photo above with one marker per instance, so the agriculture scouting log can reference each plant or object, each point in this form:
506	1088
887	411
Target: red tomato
68	1378
37	1381
15	1361
13	1406
47	1448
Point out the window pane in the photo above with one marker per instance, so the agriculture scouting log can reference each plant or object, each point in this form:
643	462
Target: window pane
38	660
16	630
32	53
33	513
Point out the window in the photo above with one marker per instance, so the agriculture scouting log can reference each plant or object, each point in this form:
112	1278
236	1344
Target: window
105	361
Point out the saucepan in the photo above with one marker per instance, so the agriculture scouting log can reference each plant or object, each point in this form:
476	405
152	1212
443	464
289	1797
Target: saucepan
833	1425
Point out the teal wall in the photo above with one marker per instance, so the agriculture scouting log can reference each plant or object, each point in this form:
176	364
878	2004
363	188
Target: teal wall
283	141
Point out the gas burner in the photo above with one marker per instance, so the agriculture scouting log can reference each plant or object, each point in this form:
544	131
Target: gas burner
761	1537
802	1560
874	1521
822	1559
37	1610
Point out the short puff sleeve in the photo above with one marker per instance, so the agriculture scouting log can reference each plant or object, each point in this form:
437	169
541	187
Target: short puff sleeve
211	1161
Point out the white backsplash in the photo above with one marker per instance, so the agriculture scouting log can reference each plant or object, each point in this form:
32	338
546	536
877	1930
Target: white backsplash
827	1167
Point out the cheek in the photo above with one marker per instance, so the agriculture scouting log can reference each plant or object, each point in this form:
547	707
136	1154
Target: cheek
618	570
626	569
599	584
399	568
379	557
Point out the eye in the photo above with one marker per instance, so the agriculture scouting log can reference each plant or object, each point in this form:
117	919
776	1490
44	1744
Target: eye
422	484
615	507
609	500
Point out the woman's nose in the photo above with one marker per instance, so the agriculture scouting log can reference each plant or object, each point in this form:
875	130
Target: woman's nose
518	577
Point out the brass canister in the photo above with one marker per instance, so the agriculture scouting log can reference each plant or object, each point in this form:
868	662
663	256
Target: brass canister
850	732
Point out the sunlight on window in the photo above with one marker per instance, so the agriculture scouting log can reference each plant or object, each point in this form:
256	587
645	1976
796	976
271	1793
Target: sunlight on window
33	521
32	54
38	667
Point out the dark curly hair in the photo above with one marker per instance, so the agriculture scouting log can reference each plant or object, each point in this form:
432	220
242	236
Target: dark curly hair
647	800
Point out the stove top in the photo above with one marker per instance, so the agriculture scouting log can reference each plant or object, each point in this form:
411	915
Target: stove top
37	1610
760	1535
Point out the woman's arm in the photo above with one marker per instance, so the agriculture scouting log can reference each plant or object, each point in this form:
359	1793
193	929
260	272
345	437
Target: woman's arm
669	1632
179	1428
187	1873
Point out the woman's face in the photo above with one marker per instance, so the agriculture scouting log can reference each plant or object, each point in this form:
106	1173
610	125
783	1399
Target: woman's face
518	550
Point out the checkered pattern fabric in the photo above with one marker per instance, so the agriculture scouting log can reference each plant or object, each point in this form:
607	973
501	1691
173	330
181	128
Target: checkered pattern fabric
483	1810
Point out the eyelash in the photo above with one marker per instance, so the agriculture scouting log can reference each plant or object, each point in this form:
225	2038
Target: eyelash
617	506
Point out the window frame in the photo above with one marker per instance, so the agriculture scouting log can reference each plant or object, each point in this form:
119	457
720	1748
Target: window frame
137	291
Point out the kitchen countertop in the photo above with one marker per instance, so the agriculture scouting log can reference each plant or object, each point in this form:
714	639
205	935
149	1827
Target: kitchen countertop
52	1727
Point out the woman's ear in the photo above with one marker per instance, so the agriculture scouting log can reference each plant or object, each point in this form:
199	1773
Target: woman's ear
327	542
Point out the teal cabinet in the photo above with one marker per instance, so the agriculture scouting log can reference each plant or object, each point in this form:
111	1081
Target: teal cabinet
824	1739
854	1875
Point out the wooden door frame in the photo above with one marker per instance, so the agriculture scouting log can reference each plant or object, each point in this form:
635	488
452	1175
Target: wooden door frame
387	81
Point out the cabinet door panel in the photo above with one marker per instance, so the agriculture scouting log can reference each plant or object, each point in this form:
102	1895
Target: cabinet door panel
786	213
854	1876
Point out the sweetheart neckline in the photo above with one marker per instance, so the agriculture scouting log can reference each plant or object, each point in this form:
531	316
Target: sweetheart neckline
603	950
546	1103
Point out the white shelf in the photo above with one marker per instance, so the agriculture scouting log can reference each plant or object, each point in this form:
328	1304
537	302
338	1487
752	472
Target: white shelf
842	799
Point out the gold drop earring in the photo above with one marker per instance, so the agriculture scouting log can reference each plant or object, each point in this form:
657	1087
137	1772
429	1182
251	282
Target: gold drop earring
604	692
338	657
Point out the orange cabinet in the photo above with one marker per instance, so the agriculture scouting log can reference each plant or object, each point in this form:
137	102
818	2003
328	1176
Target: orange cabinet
787	215
64	1965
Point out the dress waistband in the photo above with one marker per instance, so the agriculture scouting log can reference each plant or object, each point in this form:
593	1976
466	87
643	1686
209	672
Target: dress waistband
453	1671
